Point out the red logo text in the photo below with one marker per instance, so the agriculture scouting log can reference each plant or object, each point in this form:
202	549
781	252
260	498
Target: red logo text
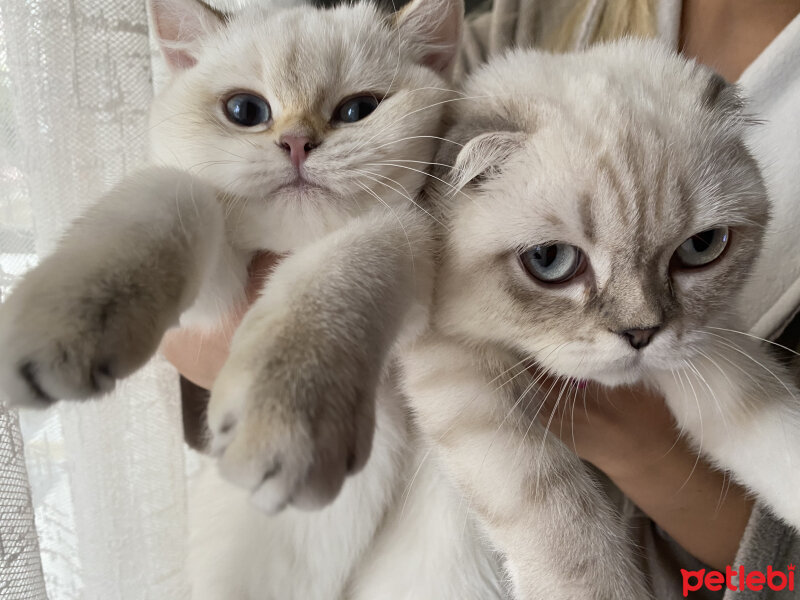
738	579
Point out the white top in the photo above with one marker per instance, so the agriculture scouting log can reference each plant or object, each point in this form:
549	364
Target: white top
772	84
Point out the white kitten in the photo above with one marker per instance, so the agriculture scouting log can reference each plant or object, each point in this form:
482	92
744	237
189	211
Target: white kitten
607	214
293	130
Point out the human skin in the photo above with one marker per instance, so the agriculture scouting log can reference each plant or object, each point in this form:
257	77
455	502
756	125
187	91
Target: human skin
199	355
627	433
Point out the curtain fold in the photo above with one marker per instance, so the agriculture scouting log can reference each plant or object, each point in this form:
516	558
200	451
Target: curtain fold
107	478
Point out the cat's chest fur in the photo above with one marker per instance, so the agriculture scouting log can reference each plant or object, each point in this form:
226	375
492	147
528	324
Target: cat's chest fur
297	217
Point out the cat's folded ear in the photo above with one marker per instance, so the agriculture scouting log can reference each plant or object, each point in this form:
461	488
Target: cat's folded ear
431	31
722	96
180	25
483	155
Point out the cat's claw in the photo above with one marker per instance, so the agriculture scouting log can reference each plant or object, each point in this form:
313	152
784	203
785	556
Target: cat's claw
290	437
73	337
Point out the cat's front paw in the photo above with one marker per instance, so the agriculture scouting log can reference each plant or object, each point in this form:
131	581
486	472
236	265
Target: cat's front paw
66	333
290	420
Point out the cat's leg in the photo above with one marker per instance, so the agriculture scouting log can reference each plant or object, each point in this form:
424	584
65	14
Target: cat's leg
538	504
95	309
292	411
740	408
237	552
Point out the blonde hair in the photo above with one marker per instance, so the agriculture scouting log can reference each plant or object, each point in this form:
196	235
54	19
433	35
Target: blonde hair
616	19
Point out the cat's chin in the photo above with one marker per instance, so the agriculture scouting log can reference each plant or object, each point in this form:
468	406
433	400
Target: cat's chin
627	370
618	378
611	375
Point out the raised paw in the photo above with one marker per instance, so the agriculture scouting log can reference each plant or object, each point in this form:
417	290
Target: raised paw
66	333
290	423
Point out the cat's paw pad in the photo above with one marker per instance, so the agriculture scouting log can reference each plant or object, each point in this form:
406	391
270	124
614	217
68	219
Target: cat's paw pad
291	438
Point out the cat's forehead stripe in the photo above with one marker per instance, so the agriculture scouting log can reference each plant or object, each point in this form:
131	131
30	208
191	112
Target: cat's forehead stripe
587	219
609	174
659	199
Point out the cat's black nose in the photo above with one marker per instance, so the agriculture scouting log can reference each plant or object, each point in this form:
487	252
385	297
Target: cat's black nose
639	338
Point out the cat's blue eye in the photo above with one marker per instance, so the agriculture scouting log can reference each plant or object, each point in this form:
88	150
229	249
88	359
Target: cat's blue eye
247	110
553	263
702	248
356	108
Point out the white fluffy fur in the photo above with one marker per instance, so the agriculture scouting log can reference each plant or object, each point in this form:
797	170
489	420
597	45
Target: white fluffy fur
308	396
624	151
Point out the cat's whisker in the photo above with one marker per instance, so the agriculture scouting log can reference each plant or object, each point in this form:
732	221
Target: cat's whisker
417	110
572	419
681	428
242	158
508	414
409	487
423	162
428	88
727	480
725	475
755	337
372	175
396	216
388	126
451	186
511	411
514	366
467	404
564	385
723	356
405	195
733	346
700	445
711	391
414	137
572	411
537	378
198	168
546	429
157	124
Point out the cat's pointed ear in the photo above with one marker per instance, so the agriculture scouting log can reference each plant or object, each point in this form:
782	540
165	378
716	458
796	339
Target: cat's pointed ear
431	30
485	154
180	26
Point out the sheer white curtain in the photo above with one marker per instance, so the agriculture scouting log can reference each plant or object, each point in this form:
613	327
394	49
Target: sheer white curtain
107	483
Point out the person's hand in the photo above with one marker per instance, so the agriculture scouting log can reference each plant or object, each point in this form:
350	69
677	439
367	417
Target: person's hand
199	356
630	435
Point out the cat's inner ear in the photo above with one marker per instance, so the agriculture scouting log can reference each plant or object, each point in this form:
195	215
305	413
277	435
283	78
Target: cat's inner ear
180	26
485	154
431	30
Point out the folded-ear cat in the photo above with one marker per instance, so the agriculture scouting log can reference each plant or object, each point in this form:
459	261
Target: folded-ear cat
599	222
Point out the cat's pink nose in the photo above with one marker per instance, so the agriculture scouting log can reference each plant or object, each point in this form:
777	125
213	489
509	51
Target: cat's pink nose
298	147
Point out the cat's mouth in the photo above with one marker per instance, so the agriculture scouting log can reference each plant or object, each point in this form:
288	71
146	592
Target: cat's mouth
300	185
